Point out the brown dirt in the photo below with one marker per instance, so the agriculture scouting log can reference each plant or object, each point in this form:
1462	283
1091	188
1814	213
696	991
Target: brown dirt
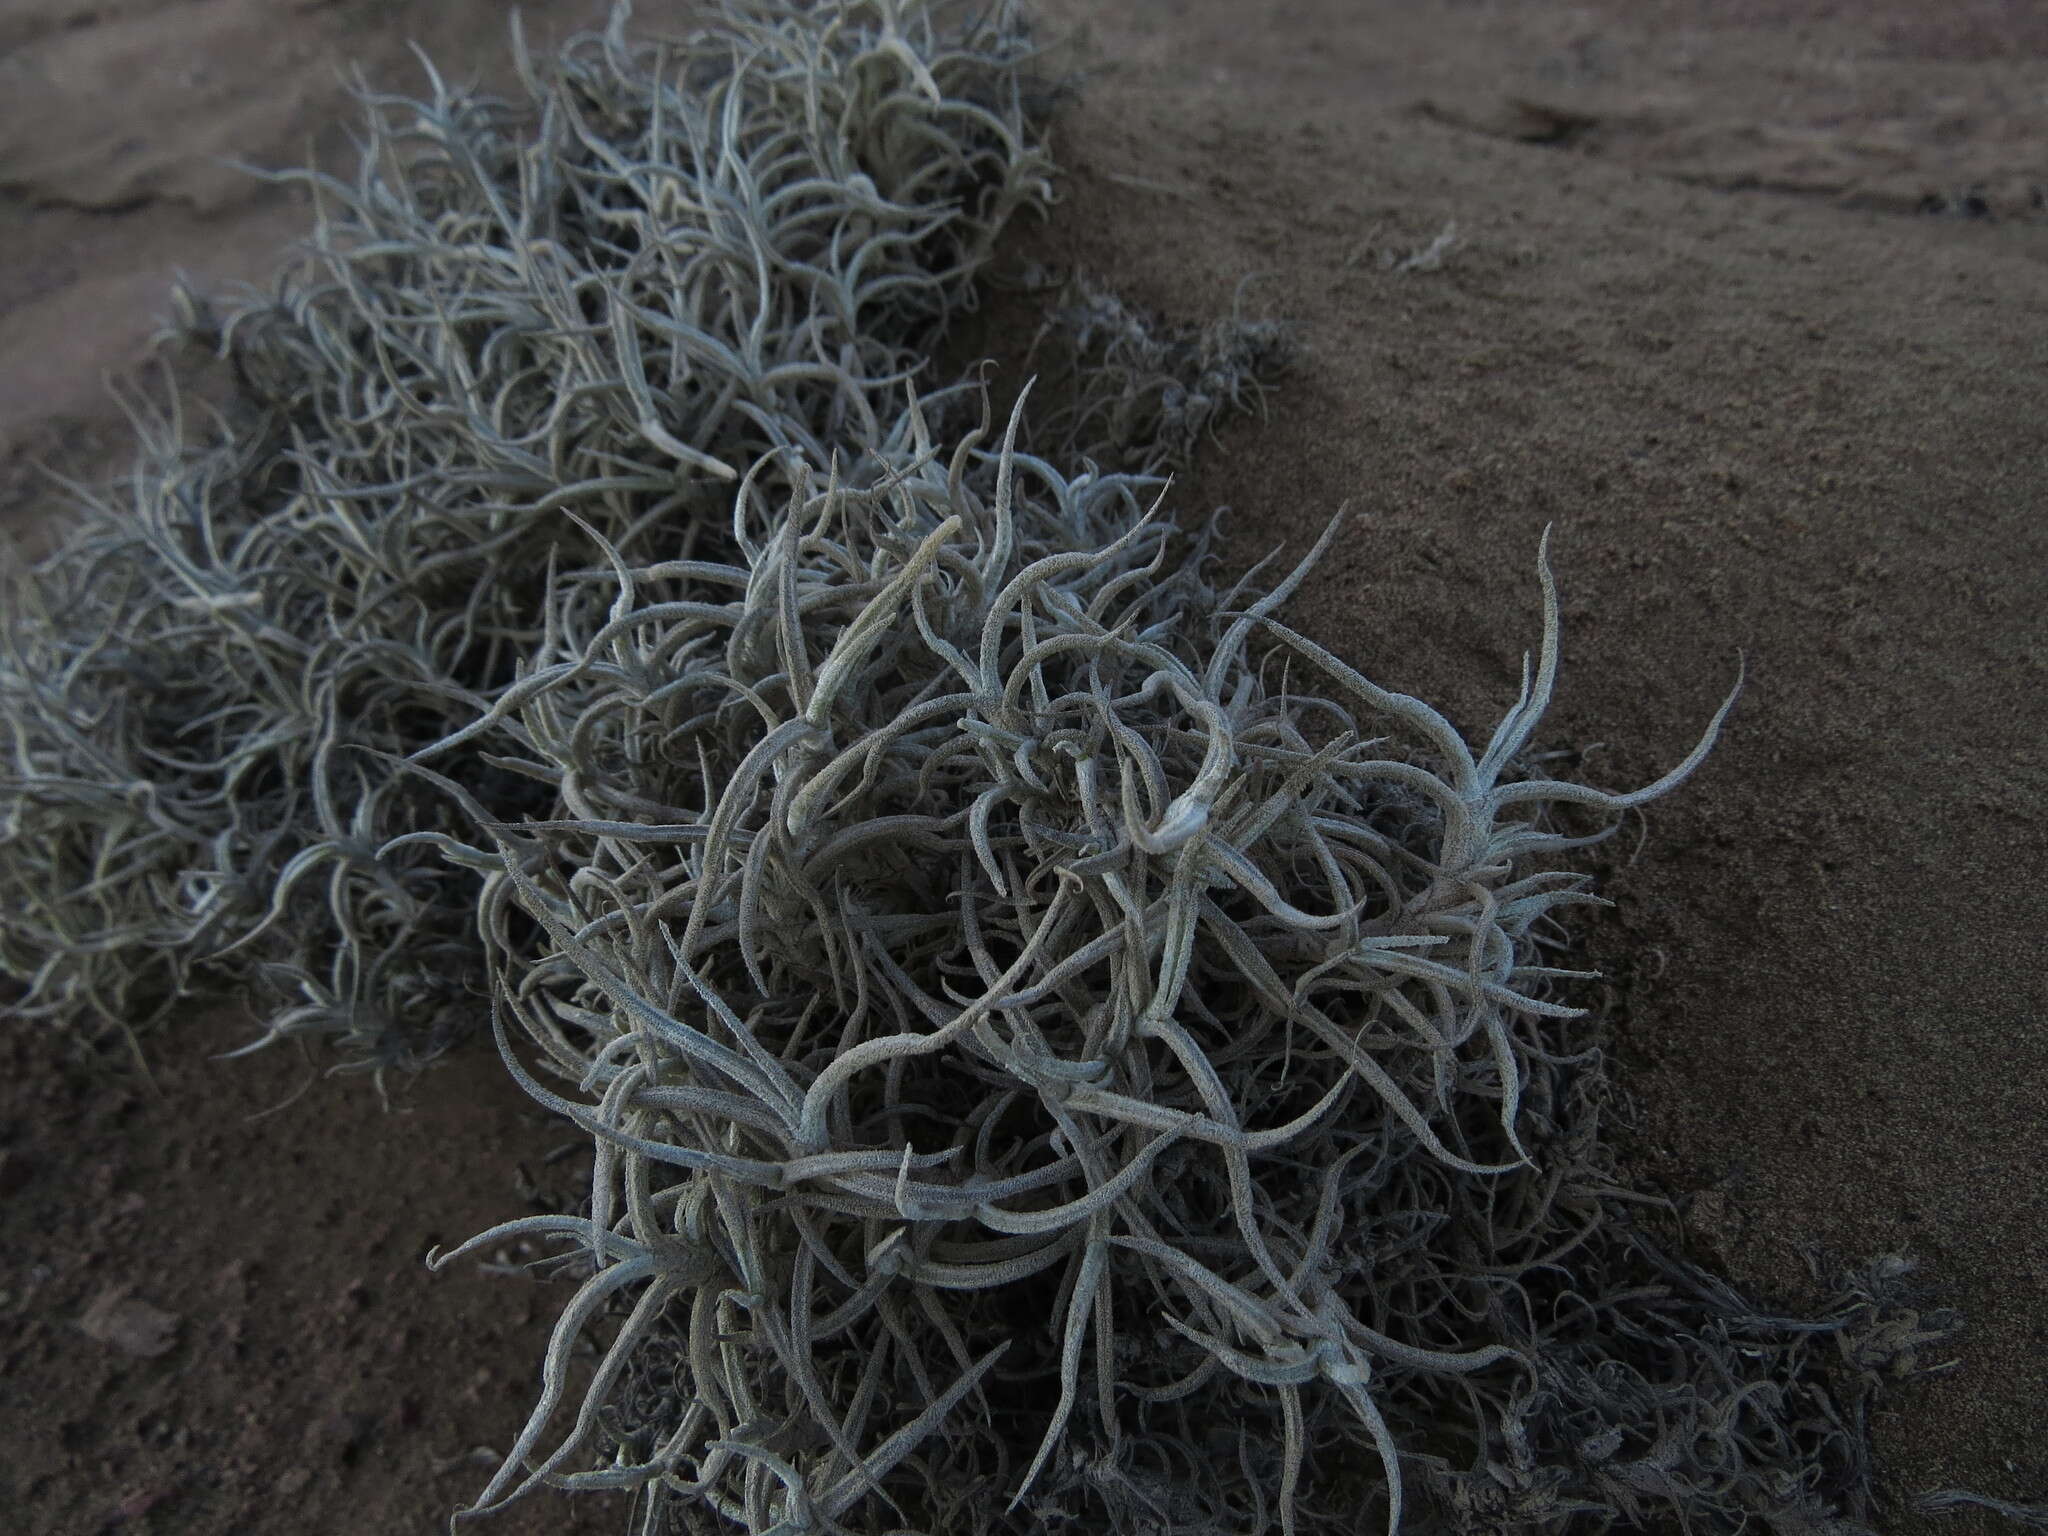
1694	318
272	1224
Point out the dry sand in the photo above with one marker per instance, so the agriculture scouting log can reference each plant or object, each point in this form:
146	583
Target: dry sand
1747	299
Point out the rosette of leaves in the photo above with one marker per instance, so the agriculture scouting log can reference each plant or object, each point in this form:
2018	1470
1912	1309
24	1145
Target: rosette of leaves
1032	1042
1143	393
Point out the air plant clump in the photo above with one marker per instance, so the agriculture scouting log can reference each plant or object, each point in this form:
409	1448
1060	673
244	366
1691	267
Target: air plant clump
1064	1052
520	321
95	833
1143	392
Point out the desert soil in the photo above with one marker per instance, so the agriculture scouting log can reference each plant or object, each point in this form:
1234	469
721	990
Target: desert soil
1746	300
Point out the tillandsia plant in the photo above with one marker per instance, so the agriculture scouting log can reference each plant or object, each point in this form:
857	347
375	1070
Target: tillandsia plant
957	916
1144	393
521	320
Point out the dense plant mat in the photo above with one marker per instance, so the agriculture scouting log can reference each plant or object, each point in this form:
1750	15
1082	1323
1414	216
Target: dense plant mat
585	309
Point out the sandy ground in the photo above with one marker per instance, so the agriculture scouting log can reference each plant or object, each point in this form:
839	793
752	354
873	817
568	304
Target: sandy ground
1746	299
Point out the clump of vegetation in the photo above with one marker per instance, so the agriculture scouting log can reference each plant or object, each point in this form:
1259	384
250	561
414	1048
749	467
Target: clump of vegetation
583	310
950	926
1142	393
1062	1051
